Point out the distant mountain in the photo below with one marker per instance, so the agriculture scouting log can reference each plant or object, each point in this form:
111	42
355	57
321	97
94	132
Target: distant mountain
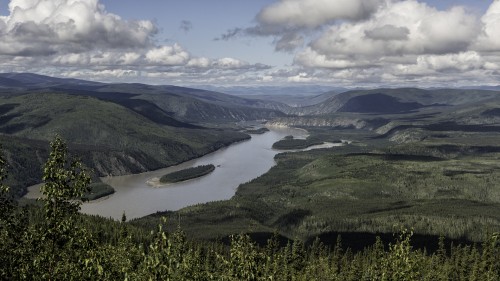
489	88
387	101
6	82
286	90
157	102
293	96
31	80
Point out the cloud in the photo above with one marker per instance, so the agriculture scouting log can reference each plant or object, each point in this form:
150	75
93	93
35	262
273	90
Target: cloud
441	64
388	32
230	34
346	42
199	63
224	64
300	78
79	38
386	41
186	26
312	59
409	41
37	28
403	28
489	39
314	13
289	42
285	18
100	74
167	55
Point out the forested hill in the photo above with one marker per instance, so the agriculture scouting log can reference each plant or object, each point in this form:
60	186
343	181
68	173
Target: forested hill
394	101
116	128
54	242
185	104
111	138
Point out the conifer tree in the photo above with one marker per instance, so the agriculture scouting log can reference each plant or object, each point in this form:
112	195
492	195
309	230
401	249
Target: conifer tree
6	217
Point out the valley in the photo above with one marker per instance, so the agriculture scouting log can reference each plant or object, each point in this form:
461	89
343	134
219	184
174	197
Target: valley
422	159
338	140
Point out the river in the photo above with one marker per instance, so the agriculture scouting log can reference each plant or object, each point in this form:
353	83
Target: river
139	195
236	164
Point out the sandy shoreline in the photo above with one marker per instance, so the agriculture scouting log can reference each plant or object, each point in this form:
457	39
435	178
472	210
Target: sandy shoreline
155	182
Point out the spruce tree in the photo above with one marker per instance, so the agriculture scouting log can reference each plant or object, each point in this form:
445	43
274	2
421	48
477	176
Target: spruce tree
6	223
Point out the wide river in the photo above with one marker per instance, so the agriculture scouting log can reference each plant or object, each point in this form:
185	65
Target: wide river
236	164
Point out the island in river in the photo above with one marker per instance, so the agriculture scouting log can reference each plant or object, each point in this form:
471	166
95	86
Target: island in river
187	174
258	131
290	143
97	190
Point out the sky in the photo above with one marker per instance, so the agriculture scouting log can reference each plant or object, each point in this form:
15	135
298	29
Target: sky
341	43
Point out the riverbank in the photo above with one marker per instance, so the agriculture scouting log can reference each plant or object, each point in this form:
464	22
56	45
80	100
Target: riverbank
239	163
98	191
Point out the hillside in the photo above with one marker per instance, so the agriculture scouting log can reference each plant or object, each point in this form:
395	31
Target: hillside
186	104
421	158
386	101
111	139
426	159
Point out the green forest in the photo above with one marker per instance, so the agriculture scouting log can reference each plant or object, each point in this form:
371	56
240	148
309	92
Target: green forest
187	174
290	143
50	240
97	190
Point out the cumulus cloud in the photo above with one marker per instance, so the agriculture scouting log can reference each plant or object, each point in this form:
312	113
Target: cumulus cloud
408	40
449	63
289	42
314	13
380	41
489	39
167	55
224	64
388	32
199	62
64	26
403	28
300	78
285	18
79	38
343	42
311	58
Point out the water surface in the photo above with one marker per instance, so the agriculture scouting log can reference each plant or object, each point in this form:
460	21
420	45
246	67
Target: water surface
236	164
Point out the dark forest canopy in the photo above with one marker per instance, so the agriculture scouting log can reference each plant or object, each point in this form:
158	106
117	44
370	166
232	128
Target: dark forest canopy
55	242
187	174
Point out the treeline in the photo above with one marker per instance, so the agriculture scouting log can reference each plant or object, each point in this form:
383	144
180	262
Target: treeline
55	242
97	190
290	143
187	174
258	131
